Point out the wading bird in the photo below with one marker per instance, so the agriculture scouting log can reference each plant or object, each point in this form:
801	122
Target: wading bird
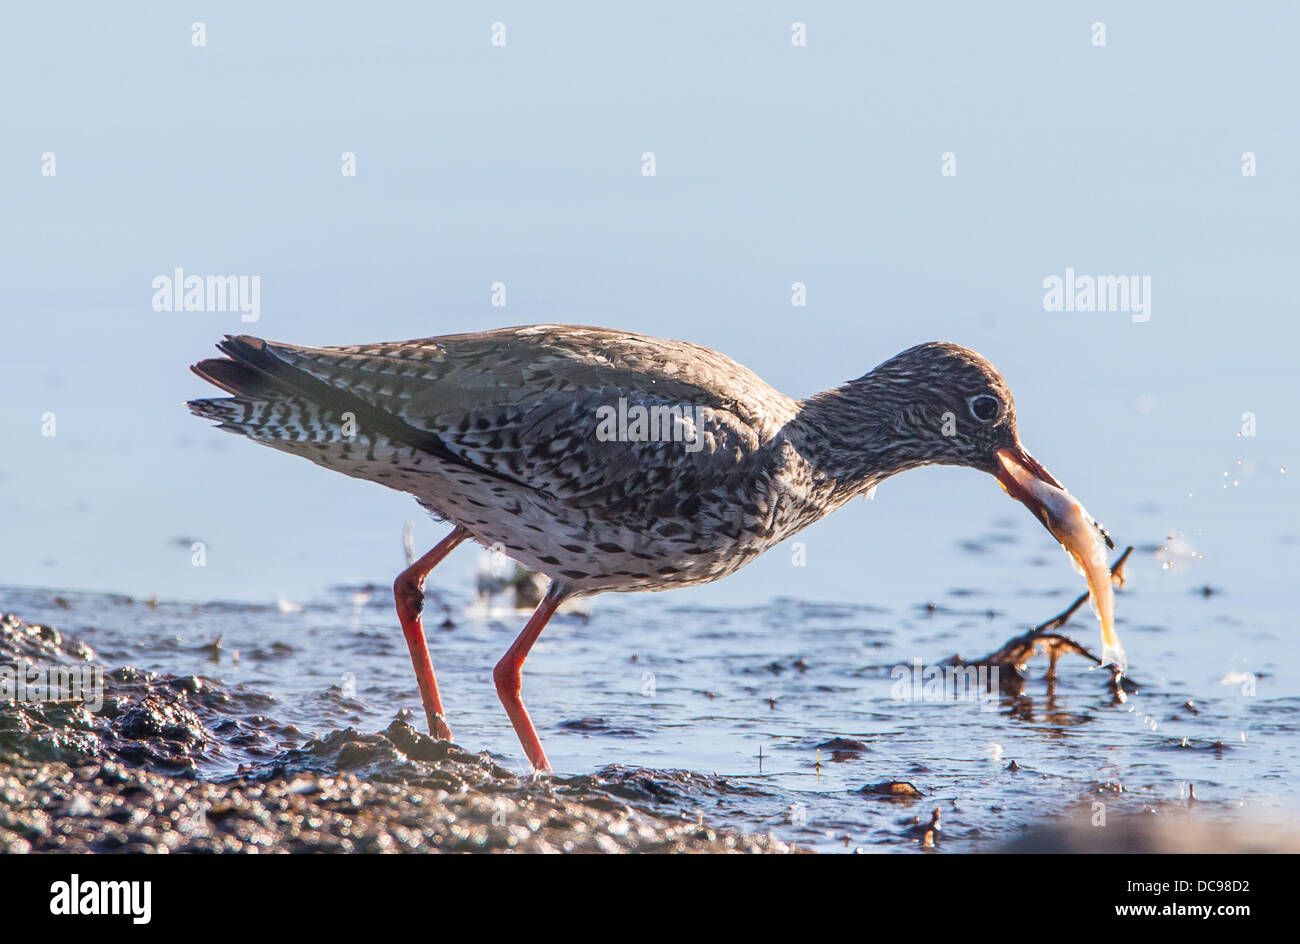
508	436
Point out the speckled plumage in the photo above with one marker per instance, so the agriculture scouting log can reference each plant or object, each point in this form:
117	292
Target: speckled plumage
496	431
508	434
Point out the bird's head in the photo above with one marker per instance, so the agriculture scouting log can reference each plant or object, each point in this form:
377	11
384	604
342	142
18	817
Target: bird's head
943	404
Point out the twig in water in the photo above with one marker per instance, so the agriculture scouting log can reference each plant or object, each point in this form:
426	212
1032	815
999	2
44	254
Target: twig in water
1060	619
1017	650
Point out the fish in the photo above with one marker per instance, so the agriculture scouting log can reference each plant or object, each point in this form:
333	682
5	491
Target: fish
1083	539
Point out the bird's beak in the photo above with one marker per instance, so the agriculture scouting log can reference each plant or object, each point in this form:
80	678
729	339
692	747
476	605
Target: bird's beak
1025	480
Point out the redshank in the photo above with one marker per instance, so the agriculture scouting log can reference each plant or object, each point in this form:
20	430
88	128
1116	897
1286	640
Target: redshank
612	461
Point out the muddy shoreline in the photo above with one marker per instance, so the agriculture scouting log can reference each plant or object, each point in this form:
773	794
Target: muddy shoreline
130	778
195	763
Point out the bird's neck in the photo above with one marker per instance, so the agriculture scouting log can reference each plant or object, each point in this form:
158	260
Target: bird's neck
856	435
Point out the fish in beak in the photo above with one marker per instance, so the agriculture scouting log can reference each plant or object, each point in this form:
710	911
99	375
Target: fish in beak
1084	540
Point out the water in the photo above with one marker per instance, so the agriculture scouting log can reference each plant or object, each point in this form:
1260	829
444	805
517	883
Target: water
750	693
479	164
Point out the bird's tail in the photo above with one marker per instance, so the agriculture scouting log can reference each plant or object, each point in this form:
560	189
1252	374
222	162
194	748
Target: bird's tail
334	423
275	404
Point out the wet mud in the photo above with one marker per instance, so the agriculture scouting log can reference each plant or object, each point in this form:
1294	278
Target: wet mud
295	727
132	777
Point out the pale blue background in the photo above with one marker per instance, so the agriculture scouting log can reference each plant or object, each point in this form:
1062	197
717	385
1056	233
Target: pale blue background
775	164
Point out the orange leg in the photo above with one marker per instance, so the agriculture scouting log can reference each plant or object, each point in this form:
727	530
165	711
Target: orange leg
408	592
509	683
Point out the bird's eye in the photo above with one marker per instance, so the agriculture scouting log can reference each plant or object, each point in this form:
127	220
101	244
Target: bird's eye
985	408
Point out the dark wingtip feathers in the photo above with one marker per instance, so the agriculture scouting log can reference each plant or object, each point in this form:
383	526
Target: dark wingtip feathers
233	377
240	345
248	369
244	374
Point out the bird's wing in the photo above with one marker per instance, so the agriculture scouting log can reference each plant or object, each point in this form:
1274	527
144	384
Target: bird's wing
526	404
